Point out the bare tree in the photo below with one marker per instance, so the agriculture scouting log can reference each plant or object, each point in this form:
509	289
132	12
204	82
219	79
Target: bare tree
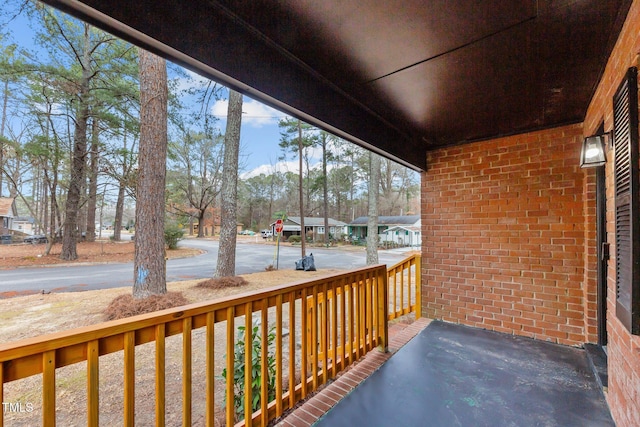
149	272
227	254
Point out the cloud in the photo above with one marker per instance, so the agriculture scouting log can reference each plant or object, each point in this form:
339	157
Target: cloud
281	166
254	113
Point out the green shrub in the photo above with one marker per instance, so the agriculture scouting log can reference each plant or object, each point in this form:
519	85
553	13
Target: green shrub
256	370
172	235
294	239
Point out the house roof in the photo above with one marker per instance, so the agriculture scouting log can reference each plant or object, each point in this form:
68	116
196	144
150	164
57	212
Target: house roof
7	207
24	219
315	221
388	220
401	77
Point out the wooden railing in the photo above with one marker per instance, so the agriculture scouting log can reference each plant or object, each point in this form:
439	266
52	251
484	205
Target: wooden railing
404	287
346	328
403	281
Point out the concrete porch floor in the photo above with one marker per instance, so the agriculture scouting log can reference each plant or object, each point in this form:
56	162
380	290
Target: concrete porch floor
452	375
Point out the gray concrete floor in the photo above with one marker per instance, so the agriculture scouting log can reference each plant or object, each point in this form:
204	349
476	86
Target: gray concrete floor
451	375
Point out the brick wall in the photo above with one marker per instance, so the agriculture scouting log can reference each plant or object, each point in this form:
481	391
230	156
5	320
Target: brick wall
504	235
509	236
623	349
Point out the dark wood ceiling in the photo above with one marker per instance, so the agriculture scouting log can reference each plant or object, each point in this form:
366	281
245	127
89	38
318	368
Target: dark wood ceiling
400	77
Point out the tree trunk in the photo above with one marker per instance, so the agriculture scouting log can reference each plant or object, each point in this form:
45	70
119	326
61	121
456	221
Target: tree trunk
93	182
303	237
70	231
372	221
149	272
201	215
325	189
2	123
77	175
229	216
117	221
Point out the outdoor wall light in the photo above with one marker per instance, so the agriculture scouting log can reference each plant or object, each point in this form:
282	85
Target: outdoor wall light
593	151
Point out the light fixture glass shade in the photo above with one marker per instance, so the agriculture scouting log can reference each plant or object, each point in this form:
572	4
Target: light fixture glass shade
593	152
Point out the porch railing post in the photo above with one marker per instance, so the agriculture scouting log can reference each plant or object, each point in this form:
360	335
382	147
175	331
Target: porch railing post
418	284
383	310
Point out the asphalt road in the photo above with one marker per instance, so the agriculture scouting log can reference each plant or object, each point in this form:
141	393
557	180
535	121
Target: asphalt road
250	258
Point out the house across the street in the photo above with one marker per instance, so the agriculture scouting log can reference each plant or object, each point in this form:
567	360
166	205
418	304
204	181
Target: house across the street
403	230
401	235
24	224
314	227
8	212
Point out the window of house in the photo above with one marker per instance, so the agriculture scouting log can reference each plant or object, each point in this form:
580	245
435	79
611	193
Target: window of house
627	202
320	230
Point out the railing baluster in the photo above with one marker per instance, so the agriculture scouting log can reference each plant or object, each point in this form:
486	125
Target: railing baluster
292	346
343	323
383	309
210	342
305	333
375	321
359	317
418	309
187	370
48	388
334	329
365	313
352	320
409	287
248	362
402	289
160	375
229	391
129	378
264	368
324	336
279	349
314	339
93	384
368	306
394	304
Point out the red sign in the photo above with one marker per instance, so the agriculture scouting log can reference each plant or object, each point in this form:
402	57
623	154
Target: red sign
279	226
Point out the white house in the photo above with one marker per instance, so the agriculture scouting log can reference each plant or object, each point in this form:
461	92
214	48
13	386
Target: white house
401	235
403	230
24	224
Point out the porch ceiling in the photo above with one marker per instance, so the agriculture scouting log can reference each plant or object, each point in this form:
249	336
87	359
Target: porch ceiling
400	77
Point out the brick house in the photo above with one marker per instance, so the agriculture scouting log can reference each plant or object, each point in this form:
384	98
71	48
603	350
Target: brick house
514	232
